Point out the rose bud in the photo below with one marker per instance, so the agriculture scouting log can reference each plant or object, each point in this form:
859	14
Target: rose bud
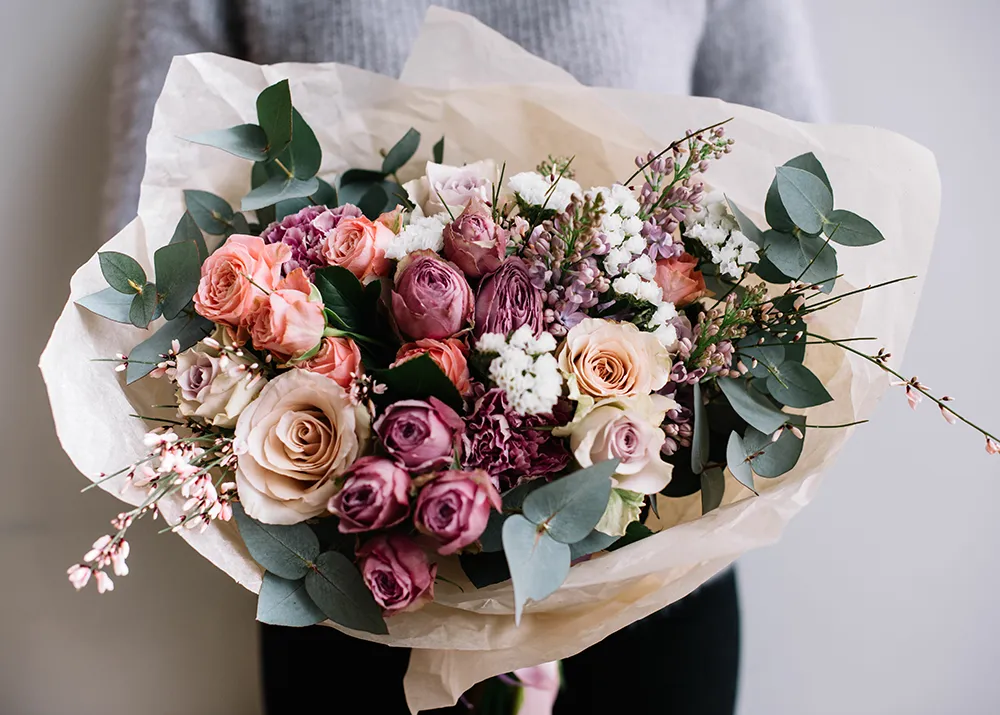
397	572
449	355
507	300
473	242
286	321
431	298
375	495
420	435
338	359
454	507
681	281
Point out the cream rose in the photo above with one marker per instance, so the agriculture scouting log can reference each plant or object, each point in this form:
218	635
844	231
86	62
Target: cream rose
214	387
609	359
294	440
454	185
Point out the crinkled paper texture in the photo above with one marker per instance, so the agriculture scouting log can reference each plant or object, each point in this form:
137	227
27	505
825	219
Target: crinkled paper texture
501	102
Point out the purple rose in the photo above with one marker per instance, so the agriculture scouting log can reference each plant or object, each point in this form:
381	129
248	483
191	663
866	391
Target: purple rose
510	446
473	242
375	495
454	507
397	572
304	232
507	300
420	435
431	298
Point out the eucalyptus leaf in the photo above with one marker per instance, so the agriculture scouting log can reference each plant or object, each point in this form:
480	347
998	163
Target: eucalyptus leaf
570	507
635	532
418	379
774	212
303	156
284	602
186	329
752	406
326	195
538	563
485	569
849	229
110	304
373	202
401	152
767	271
289	207
247	141
122	272
178	271
784	251
278	188
336	586
805	198
286	551
795	385
438	152
274	114
747	227
736	460
212	213
592	543
820	261
769	357
143	307
240	225
187	230
772	459
809	162
700	436
713	488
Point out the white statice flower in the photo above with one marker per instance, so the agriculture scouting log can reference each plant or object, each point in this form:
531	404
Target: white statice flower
422	233
716	229
525	369
538	190
638	287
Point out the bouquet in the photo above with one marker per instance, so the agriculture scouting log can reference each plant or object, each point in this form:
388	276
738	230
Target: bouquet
429	396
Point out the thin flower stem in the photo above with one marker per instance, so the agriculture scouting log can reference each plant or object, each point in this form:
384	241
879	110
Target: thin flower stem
823	303
810	264
846	424
164	420
673	146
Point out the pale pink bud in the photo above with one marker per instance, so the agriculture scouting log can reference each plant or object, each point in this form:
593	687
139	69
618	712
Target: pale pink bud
98	549
992	447
104	582
79	575
796	431
913	397
948	415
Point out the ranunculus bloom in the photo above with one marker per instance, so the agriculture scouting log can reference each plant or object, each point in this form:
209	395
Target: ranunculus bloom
225	293
507	300
375	495
420	435
450	356
397	572
358	245
431	298
293	442
338	359
680	279
610	359
454	185
304	233
627	429
286	321
473	242
454	507
215	393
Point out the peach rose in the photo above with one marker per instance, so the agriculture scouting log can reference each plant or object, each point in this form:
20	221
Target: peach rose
449	354
680	279
338	359
286	321
225	295
293	442
610	359
358	245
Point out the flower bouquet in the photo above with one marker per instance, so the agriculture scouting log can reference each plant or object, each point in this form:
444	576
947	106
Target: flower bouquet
500	396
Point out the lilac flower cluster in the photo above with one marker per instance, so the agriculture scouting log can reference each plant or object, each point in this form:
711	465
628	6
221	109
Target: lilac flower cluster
304	232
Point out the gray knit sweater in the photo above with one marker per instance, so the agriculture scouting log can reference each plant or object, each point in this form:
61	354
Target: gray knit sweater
753	52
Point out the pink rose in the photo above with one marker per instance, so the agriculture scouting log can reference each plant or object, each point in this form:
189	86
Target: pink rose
454	507
358	245
450	356
680	279
431	298
473	242
286	321
420	435
225	293
507	300
397	572
375	495
338	359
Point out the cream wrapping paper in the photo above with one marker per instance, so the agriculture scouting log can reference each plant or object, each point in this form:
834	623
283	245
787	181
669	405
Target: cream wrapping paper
492	99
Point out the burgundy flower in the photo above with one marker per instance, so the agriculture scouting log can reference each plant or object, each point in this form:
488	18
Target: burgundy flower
420	435
304	233
375	495
453	507
431	298
397	572
507	300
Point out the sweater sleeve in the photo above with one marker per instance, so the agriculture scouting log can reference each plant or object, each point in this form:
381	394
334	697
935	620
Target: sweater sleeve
759	53
153	32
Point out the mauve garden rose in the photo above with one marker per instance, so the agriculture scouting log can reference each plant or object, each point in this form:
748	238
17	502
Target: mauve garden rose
397	572
507	300
375	495
420	435
431	297
454	506
214	392
473	242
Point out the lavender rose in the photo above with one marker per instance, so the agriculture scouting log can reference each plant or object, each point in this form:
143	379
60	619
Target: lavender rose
397	573
420	435
473	242
453	507
375	495
431	298
305	233
507	300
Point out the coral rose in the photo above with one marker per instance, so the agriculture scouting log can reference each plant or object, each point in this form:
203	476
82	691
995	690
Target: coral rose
358	245
449	354
234	276
681	281
338	359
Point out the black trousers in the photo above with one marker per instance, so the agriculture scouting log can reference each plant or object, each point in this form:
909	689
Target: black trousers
683	660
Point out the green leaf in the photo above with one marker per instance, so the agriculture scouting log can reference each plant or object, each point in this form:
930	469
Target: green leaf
809	162
767	271
774	212
849	229
278	188
747	227
143	307
635	532
359	176
144	357
289	207
304	155
713	488
284	602
538	563
122	272
401	152
570	507
775	458
336	586
819	259
417	379
239	226
187	230
326	195
736	460
286	551
492	538
438	152
111	304
752	406
247	141
344	295
592	543
178	271
374	201
699	438
805	198
485	569
796	386
274	114
624	507
212	213
769	357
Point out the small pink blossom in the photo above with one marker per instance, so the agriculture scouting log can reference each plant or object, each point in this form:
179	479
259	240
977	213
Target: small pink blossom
104	582
992	446
79	575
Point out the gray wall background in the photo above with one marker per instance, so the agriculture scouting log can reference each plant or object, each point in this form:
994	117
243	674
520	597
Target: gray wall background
875	605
